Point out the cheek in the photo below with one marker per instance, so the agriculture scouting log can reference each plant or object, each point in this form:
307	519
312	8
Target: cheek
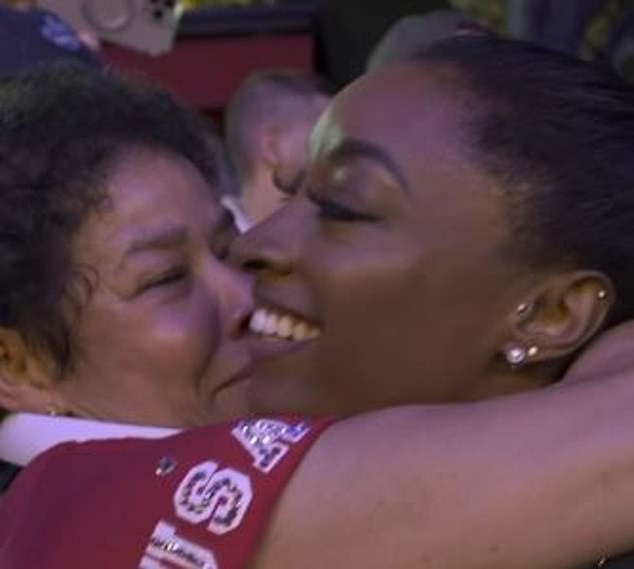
408	314
183	340
374	324
366	277
179	338
294	152
372	306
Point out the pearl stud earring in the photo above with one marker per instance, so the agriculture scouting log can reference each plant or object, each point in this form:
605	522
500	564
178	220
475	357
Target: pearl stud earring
516	354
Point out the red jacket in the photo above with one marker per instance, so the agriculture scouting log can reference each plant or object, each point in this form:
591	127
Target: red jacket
200	499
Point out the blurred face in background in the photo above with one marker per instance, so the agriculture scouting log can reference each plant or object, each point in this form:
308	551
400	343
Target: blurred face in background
289	169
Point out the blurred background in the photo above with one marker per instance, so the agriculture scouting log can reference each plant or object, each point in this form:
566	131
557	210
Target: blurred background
203	49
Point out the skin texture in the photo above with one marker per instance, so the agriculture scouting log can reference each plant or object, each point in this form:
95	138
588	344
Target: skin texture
155	335
544	480
396	249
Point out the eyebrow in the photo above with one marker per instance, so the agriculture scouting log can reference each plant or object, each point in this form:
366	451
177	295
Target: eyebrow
163	239
351	148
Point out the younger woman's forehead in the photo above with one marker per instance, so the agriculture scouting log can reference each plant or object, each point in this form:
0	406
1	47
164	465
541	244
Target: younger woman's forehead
405	111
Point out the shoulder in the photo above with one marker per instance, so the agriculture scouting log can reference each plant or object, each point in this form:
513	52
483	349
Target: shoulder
208	491
261	445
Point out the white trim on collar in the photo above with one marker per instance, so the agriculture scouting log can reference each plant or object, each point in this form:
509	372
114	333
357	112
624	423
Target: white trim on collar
24	435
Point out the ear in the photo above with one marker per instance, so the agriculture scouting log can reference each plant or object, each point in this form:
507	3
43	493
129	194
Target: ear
25	385
563	314
269	145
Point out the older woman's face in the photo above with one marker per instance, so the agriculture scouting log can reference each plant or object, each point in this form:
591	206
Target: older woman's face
385	272
155	339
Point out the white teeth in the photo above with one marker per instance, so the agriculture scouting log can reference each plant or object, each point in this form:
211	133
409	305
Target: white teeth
270	324
257	321
300	331
312	333
285	326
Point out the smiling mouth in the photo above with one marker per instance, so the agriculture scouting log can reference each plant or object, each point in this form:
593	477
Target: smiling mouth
282	326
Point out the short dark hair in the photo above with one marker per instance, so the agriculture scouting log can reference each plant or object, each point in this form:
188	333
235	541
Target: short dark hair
257	98
62	127
558	133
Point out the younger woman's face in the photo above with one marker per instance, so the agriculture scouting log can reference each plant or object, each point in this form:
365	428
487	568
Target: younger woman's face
385	273
155	336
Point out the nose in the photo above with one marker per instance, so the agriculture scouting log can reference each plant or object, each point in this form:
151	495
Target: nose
233	291
272	247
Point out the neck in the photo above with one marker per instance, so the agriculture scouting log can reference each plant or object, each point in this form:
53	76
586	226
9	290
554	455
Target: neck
503	380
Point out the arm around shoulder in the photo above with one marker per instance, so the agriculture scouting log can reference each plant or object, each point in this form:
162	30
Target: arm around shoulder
538	480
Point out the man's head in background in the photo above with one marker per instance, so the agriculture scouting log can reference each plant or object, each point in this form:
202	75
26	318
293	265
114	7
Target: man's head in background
268	121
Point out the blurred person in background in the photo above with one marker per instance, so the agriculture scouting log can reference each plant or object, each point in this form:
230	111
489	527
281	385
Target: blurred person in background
30	36
267	123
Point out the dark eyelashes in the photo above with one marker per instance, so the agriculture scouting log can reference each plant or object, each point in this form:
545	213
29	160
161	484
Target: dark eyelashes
331	210
169	277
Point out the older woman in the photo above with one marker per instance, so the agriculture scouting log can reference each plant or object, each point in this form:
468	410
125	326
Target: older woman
435	255
114	301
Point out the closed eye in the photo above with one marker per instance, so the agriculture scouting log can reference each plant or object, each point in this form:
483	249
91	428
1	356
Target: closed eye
171	277
333	211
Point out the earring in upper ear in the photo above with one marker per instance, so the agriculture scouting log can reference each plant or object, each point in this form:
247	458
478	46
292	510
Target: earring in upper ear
532	351
602	294
522	308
